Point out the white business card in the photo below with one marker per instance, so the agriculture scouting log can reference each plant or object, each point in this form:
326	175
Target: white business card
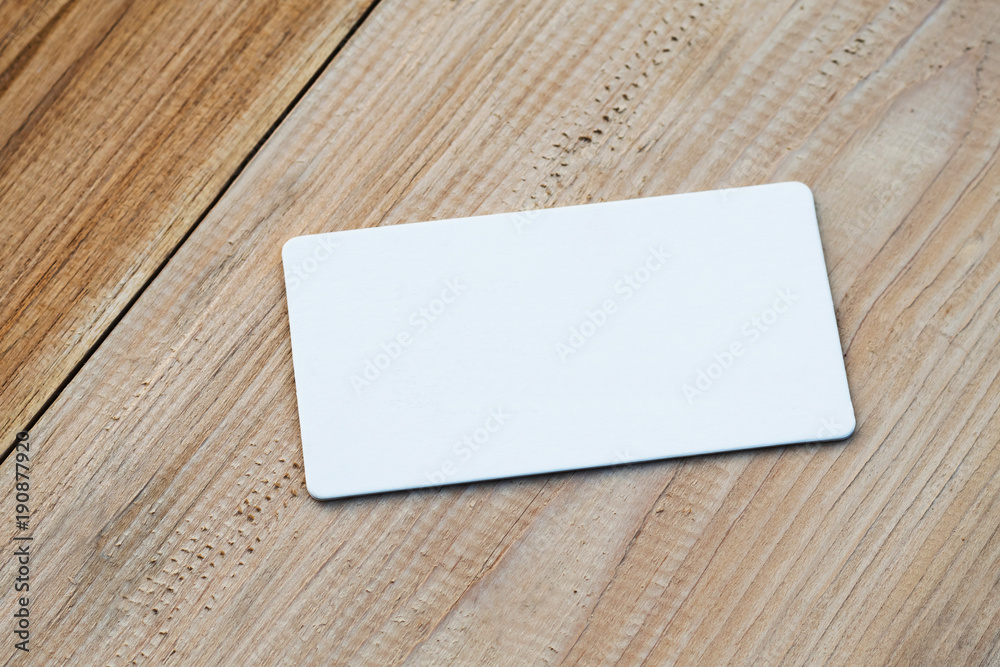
514	344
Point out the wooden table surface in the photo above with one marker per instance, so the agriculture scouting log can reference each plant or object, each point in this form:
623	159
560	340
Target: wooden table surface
154	157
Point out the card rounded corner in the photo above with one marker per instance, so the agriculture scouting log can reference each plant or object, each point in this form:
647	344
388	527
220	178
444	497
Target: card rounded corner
802	188
316	491
287	248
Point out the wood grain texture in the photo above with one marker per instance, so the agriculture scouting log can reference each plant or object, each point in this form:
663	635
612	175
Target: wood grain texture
120	122
172	524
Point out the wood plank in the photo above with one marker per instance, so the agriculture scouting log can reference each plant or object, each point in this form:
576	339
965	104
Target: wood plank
120	122
171	522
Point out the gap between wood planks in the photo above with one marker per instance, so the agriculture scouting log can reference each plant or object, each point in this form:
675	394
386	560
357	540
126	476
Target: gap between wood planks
187	234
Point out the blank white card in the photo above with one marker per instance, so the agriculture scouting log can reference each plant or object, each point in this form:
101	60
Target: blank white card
514	344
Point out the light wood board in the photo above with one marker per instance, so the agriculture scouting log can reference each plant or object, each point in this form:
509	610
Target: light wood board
172	524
